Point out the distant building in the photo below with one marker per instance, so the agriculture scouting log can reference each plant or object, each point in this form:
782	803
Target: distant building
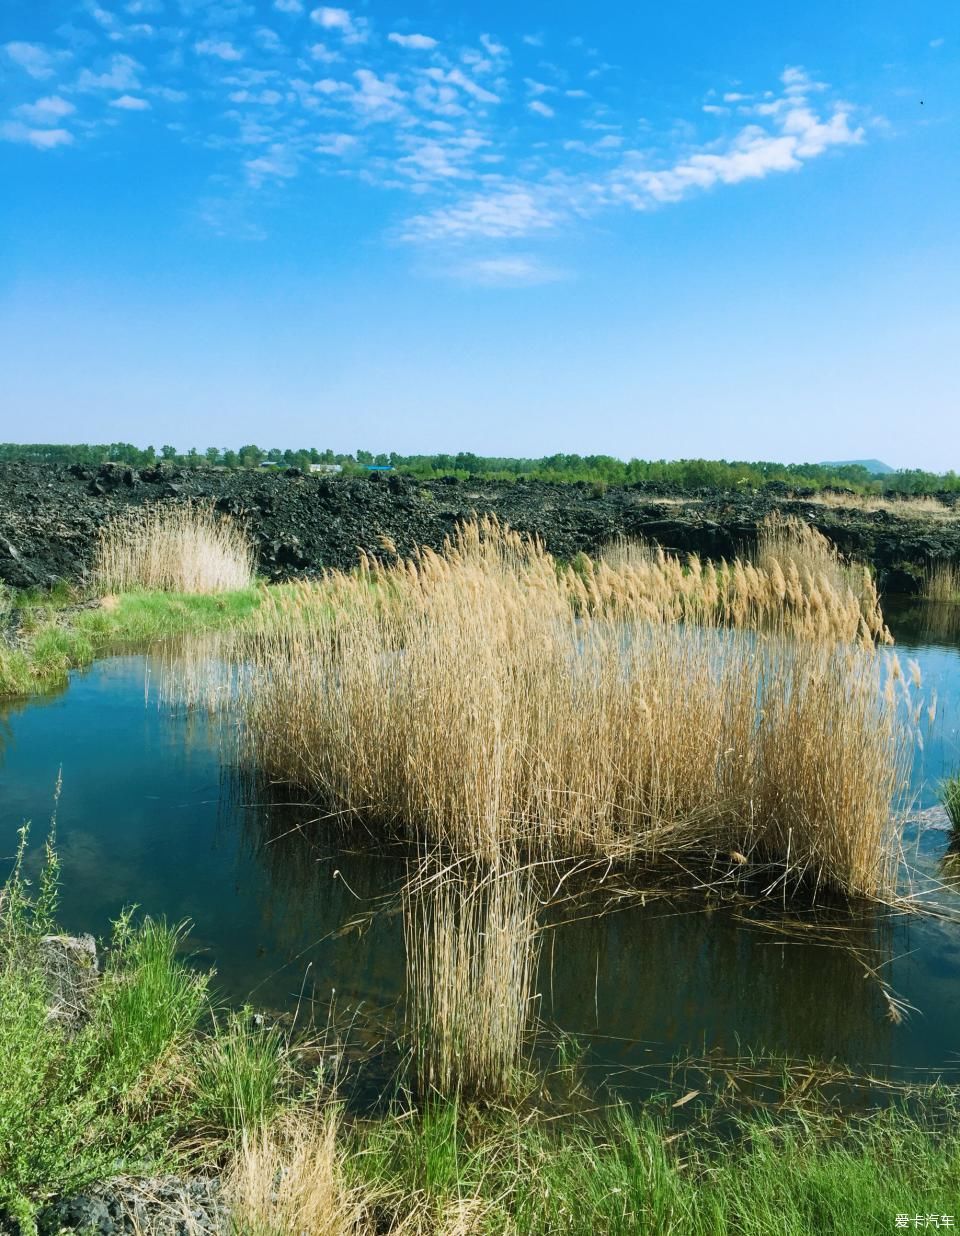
327	468
379	467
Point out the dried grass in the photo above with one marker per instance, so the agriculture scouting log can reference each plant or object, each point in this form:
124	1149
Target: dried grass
486	699
919	507
942	582
288	1180
173	548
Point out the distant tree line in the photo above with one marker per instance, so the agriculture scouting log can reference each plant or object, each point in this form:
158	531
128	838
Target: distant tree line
598	470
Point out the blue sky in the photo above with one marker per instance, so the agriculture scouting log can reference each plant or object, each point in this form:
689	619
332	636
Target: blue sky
681	230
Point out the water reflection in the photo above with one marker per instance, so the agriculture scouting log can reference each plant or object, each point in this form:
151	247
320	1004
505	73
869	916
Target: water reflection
149	814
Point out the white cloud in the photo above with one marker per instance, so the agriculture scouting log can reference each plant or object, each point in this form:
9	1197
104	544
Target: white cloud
279	164
535	88
511	271
577	94
456	77
45	111
168	94
533	40
220	49
268	39
270	98
321	53
336	144
41	139
350	29
31	57
937	42
714	109
288	6
781	135
121	75
492	47
415	42
138	7
378	97
751	154
498	214
447	156
130	103
734	96
541	108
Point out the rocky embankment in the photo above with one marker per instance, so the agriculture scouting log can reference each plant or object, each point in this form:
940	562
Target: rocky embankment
49	517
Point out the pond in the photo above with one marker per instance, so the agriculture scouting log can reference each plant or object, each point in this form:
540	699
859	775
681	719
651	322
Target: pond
148	815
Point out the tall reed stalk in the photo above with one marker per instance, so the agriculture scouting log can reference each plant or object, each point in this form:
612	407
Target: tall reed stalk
472	949
942	582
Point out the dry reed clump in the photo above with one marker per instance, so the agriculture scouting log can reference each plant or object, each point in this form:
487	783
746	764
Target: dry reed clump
181	548
798	585
472	950
484	699
289	1180
942	582
818	577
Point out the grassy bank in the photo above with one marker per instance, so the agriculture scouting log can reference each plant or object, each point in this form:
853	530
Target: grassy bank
50	633
135	1073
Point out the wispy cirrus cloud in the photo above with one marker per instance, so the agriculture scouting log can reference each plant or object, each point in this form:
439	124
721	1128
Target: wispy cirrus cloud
779	134
513	270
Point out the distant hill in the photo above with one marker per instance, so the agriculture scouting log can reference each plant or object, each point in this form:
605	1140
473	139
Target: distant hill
876	466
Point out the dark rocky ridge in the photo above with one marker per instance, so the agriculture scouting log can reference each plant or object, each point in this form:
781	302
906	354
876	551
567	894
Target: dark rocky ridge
49	517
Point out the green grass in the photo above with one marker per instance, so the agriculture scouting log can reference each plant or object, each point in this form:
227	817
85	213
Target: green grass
950	797
131	1087
54	636
152	1080
628	1173
243	1075
80	1104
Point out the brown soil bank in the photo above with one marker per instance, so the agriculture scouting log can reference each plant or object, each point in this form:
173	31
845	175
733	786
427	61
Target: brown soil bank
49	517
